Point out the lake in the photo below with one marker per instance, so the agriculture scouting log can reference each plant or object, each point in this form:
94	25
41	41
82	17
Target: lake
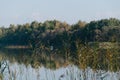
15	65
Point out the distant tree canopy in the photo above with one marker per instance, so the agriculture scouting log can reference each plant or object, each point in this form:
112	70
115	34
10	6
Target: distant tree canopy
60	34
103	30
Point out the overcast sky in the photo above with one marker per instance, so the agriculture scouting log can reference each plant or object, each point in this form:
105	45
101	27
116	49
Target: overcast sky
70	11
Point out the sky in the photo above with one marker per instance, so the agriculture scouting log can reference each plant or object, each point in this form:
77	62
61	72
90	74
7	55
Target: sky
70	11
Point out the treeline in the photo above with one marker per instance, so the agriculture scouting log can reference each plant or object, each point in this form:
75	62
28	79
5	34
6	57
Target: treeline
56	33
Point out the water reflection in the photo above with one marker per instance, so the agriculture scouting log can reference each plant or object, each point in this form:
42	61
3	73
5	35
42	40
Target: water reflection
27	56
18	65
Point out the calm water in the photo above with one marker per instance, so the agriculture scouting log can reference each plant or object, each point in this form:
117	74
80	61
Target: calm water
12	68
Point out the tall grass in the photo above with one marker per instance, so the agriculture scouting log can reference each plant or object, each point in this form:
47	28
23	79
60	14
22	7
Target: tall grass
98	58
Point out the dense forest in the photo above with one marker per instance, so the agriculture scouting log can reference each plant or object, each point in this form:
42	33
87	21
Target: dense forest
57	33
69	41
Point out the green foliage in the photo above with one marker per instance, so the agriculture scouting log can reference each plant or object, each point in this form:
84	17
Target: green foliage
100	30
68	41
